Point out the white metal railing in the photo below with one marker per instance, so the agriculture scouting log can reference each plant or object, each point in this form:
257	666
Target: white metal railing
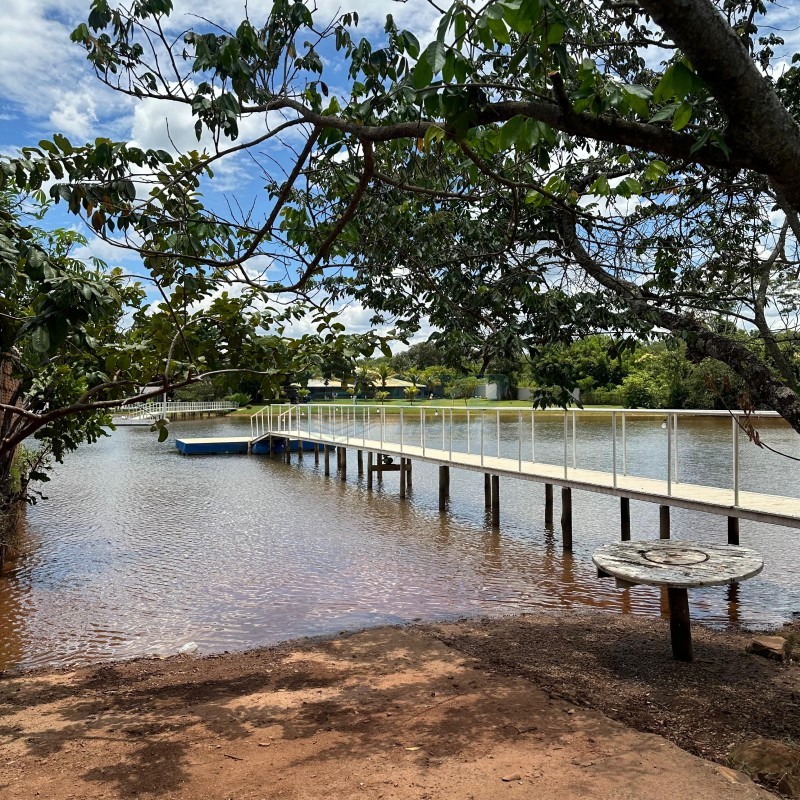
431	428
160	408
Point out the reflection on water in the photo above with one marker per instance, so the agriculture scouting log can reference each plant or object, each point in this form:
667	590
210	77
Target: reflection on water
139	549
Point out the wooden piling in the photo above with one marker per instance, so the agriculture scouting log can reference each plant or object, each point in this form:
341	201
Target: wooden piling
343	463
663	522
733	530
566	517
327	450
444	482
300	449
487	490
495	501
403	478
379	466
625	518
360	459
548	504
369	470
409	473
679	624
316	453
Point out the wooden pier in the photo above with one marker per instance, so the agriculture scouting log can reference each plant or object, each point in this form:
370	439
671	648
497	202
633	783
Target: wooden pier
339	428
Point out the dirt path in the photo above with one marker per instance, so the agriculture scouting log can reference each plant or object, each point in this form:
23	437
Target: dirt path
389	713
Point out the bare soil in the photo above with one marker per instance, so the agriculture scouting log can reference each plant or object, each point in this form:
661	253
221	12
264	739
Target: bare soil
555	706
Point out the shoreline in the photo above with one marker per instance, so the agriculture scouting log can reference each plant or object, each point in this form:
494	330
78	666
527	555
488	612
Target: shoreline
132	726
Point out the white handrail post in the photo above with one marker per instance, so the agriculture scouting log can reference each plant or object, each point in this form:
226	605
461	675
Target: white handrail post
574	442
735	460
566	430
483	415
383	425
498	432
614	445
675	447
402	430
519	441
451	434
533	436
624	447
422	428
669	454
469	448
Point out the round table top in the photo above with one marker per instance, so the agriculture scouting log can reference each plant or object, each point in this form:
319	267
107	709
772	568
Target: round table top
680	564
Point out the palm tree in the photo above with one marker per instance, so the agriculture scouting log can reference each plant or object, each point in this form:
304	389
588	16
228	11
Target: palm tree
383	372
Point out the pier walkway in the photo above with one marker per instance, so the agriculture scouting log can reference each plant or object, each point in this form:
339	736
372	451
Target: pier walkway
471	439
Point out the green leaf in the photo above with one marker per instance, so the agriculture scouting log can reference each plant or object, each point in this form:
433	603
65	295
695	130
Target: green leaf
423	74
511	131
435	54
638	98
682	117
40	340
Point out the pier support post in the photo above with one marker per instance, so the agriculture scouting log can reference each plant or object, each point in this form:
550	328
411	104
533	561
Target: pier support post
379	470
679	624
271	449
566	517
625	518
548	504
343	463
300	449
733	530
495	501
369	470
444	486
316	453
338	458
663	522
360	460
487	490
409	473
327	450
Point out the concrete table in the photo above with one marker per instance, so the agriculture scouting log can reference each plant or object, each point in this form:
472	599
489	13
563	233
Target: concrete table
679	566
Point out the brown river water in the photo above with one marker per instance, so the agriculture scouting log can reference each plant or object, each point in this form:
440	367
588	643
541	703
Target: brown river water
140	550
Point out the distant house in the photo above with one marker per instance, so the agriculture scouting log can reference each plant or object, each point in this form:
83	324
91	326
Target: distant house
322	389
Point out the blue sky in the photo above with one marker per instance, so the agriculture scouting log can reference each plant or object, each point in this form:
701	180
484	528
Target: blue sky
47	86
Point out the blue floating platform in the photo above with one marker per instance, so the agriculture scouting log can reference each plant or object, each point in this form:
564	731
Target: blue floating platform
232	444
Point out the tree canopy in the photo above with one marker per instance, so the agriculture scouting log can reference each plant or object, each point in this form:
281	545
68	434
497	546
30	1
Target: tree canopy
539	170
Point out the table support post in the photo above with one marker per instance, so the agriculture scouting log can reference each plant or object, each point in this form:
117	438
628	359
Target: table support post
566	517
495	501
625	518
679	625
663	522
733	530
548	505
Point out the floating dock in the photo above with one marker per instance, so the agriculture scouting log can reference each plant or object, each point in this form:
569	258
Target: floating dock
238	445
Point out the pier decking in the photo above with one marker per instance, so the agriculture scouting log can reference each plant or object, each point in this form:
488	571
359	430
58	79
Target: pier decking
326	428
